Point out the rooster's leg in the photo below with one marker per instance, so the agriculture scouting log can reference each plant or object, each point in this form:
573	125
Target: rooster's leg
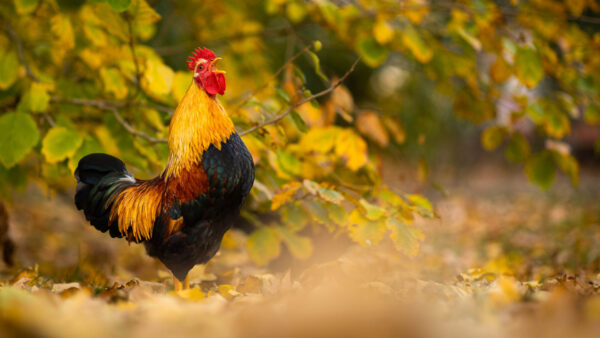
186	283
177	286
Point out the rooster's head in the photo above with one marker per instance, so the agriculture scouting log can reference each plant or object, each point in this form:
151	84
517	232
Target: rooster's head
204	65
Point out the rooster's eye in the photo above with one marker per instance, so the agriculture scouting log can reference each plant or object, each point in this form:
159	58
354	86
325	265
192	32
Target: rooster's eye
200	67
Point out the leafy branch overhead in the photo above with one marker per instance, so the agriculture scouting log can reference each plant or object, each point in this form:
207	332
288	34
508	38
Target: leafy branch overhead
105	76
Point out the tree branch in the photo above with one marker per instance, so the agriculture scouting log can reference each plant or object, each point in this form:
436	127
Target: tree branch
114	107
107	105
273	77
19	44
131	43
134	131
301	102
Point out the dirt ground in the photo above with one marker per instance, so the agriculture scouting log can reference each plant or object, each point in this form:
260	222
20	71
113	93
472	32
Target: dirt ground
504	259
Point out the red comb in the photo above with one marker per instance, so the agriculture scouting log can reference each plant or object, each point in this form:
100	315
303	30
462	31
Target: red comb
200	53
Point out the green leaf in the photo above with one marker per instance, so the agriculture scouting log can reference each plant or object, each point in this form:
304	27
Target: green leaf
406	238
568	164
317	45
338	214
317	64
373	53
419	48
60	143
263	245
529	67
296	11
298	121
281	93
142	13
330	195
9	69
592	114
541	170
288	163
36	99
25	6
18	135
492	137
319	214
422	204
299	246
372	212
518	149
119	5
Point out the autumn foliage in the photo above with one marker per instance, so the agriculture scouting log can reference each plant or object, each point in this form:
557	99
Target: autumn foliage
326	94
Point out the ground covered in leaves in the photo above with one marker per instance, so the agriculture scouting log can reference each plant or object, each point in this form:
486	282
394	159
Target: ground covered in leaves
503	260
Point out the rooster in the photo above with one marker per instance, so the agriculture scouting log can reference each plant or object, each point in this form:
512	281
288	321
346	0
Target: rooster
181	215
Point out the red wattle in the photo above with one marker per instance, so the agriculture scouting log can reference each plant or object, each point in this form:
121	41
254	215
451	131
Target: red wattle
214	84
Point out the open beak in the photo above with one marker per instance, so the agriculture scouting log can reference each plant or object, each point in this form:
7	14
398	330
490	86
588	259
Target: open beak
213	66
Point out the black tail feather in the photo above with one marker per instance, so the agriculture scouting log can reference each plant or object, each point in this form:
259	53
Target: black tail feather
99	178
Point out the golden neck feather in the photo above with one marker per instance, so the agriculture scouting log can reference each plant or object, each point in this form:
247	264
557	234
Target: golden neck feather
198	122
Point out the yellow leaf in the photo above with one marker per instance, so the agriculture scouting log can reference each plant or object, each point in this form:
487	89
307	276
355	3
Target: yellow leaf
312	116
372	212
36	99
382	31
500	70
61	28
576	7
92	58
421	51
417	10
142	13
113	82
107	141
194	294
369	124
367	233
227	291
181	82
284	194
153	117
158	78
353	148
321	140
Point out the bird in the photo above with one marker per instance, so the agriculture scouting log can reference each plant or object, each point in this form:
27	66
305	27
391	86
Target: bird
181	215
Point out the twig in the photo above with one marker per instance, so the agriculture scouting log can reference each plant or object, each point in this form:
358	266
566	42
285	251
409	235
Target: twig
114	107
131	42
19	44
134	131
107	105
301	102
49	119
273	77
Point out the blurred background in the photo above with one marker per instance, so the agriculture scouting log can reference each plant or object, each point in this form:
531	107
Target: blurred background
455	167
